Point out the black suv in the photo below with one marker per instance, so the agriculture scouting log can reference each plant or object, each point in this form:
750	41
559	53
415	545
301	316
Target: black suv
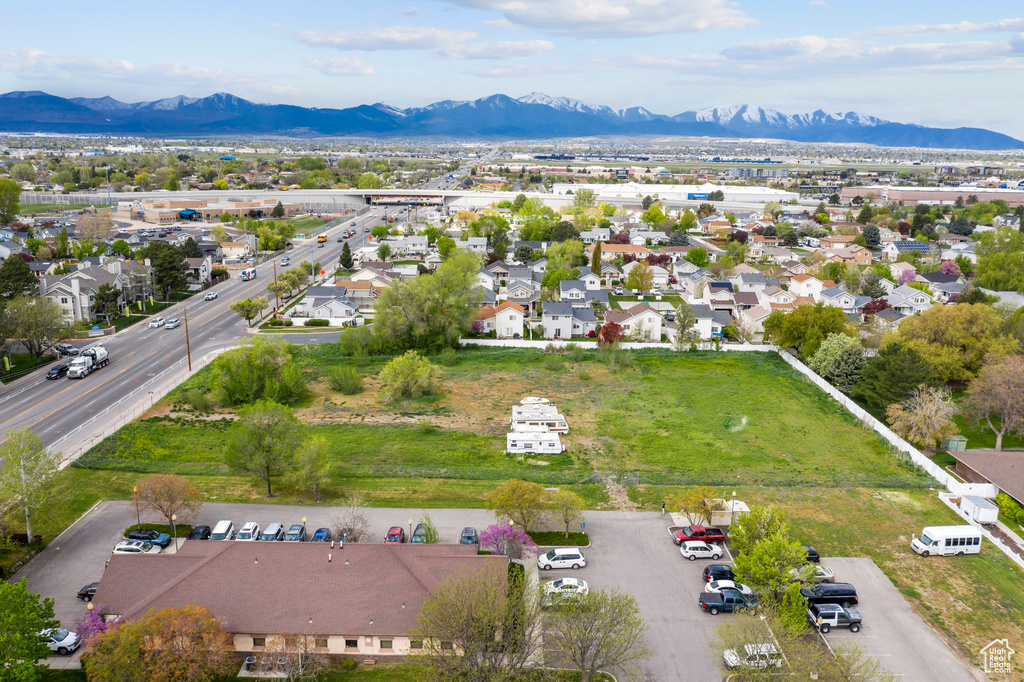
57	372
199	533
812	555
718	572
87	592
843	594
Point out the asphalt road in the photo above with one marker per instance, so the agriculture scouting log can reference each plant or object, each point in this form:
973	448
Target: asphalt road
139	354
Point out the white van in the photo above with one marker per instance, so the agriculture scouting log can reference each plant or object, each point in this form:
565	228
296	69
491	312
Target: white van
224	530
947	540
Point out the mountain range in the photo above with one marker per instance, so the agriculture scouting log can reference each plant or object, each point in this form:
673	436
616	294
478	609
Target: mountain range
535	116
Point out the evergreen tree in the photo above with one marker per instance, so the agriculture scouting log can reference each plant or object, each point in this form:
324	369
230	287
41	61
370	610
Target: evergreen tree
278	211
16	279
872	236
595	261
346	257
190	249
892	376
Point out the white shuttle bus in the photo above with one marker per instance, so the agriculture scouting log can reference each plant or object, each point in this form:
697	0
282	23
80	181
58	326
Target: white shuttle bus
947	540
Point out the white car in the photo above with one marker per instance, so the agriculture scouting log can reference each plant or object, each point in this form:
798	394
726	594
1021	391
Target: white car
562	557
210	296
694	550
156	322
136	547
61	641
563	590
820	575
754	656
719	585
250	531
172	323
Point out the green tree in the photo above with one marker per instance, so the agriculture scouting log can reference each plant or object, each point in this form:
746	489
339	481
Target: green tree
601	631
384	251
698	256
345	260
595	260
369	181
871	286
278	211
121	248
872	235
523	503
566	507
190	249
263	436
36	322
565	255
172	184
687	221
892	375
104	303
248	308
169	267
996	397
563	231
583	200
679	238
686	327
27	474
260	368
16	279
433	312
865	215
23	615
10	194
517	204
379	232
839	361
640	277
446	247
312	467
408	376
767	564
806	327
760	523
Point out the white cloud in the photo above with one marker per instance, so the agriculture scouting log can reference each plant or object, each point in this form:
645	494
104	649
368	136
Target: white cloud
960	27
392	38
535	70
342	66
616	18
818	3
498	50
411	12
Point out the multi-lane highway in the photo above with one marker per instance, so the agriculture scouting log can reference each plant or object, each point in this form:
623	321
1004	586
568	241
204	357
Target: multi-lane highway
142	356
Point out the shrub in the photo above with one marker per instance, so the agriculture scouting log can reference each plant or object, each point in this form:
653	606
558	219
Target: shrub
448	357
197	399
359	341
583	375
349	664
218	272
345	380
553	364
409	376
318	322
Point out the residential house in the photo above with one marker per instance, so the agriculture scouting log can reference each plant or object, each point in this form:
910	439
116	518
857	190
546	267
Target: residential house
560	320
643	237
933	278
590	280
712	226
198	270
498	271
10	248
363	292
609	251
795	267
894	250
852	255
486	296
1001	468
908	300
235	250
836	241
750	322
965	250
572	290
659	274
609	273
764	240
754	282
524	292
805	285
640	319
745	300
477	245
325	303
375	616
710	323
505	320
837	298
598	234
897	270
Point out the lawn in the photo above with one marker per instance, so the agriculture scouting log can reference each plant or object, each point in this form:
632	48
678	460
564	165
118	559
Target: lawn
22	364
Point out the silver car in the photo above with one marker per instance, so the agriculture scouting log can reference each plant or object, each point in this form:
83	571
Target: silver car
172	323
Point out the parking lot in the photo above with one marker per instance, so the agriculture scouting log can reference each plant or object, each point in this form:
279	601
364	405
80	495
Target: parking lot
629	550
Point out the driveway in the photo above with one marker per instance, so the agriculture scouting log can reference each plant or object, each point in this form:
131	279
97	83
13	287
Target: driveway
629	550
893	633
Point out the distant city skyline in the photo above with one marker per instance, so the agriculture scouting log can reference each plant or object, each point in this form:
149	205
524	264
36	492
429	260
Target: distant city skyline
950	65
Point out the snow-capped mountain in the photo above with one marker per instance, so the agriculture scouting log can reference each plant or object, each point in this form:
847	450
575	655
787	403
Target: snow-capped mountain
533	116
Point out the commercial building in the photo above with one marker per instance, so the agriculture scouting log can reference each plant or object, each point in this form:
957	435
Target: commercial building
752	194
167	211
934	196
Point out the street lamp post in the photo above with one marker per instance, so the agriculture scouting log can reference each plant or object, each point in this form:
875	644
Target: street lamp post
174	529
106	171
138	514
410	530
732	516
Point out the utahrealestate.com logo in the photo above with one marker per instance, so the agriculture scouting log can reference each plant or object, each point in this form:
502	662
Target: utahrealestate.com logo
997	655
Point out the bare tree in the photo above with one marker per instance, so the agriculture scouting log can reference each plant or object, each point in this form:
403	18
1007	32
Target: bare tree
602	631
349	523
95	226
692	502
27	473
567	507
996	397
169	495
925	417
741	636
297	656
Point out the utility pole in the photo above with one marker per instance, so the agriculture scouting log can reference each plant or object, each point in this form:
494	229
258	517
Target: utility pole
188	346
277	302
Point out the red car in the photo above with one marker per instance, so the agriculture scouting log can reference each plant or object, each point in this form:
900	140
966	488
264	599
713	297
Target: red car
396	534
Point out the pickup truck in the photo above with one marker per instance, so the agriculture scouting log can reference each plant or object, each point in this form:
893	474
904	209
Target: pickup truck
709	535
824	617
726	600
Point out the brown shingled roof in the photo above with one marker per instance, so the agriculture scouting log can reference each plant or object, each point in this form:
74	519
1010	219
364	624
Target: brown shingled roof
278	587
1004	468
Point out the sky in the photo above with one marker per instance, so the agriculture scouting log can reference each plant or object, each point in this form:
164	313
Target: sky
938	63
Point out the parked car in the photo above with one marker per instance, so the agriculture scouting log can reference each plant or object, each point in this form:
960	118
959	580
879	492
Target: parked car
66	349
812	554
700	550
321	535
395	535
150	536
728	601
250	532
210	295
824	617
718	572
699	533
156	322
562	557
469	536
419	534
87	592
199	533
753	656
58	371
224	530
273	532
843	594
61	641
135	547
172	323
563	590
296	533
820	575
727	585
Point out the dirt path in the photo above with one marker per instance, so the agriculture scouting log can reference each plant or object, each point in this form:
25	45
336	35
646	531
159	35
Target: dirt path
618	498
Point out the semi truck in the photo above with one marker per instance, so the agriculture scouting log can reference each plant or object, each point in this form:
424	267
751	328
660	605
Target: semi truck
90	359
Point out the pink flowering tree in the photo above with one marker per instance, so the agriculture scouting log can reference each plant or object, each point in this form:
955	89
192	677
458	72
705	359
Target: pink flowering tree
508	540
906	276
950	267
92	624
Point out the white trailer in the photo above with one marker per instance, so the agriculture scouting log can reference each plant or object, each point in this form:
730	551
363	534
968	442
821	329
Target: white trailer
947	541
538	418
979	509
533	443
